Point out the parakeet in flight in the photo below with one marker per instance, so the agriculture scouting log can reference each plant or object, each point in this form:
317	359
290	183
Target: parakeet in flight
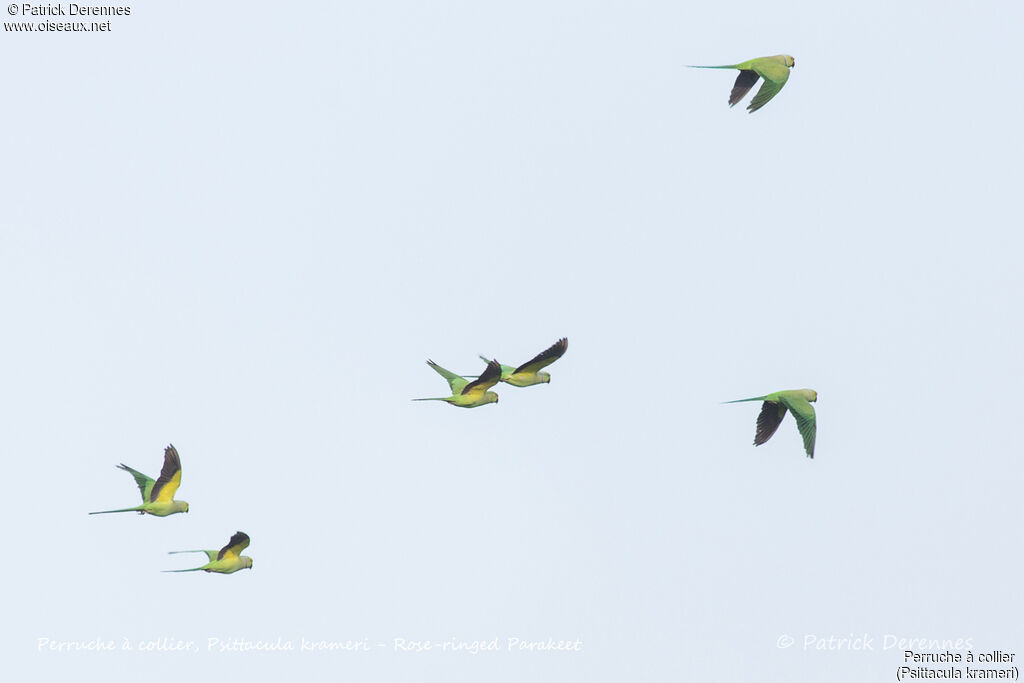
798	402
227	560
466	394
774	71
529	372
157	496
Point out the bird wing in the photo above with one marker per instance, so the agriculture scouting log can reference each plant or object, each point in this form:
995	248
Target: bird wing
170	477
478	387
456	382
805	420
768	421
545	357
744	82
238	543
775	76
144	482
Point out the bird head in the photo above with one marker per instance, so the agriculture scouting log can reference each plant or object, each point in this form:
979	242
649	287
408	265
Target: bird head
545	377
248	562
183	506
812	395
790	62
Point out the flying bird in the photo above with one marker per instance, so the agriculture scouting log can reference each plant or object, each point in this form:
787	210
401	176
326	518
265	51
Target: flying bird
529	372
227	560
796	401
774	71
466	394
157	496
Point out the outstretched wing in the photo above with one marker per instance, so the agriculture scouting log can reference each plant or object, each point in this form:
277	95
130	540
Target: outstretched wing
478	387
806	421
768	421
744	82
457	384
775	76
545	357
144	482
238	543
170	477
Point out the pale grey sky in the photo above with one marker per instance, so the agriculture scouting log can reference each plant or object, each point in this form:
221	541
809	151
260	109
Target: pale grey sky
243	228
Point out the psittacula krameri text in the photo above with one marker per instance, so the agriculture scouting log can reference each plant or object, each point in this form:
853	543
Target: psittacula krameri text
466	394
529	373
157	496
796	401
227	560
774	70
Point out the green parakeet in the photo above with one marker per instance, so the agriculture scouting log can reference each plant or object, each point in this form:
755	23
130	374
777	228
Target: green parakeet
466	394
529	372
774	71
796	401
227	560
157	496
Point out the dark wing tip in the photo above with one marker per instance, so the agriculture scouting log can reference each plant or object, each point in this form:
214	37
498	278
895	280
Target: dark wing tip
492	370
744	82
548	355
768	421
239	538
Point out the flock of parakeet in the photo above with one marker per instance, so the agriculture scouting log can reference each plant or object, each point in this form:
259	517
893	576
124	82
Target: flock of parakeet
158	499
466	394
158	495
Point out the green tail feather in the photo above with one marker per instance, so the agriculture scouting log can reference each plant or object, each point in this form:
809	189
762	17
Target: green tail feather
106	512
744	400
172	571
430	399
724	66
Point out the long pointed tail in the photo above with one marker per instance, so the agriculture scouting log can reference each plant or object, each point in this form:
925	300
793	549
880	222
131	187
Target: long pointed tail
178	552
744	400
430	399
173	571
724	66
107	512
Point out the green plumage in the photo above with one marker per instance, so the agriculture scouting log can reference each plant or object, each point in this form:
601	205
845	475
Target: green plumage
774	70
467	394
157	494
227	560
796	401
529	373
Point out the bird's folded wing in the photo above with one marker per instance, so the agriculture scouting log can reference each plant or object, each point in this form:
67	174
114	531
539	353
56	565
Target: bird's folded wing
805	420
545	357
